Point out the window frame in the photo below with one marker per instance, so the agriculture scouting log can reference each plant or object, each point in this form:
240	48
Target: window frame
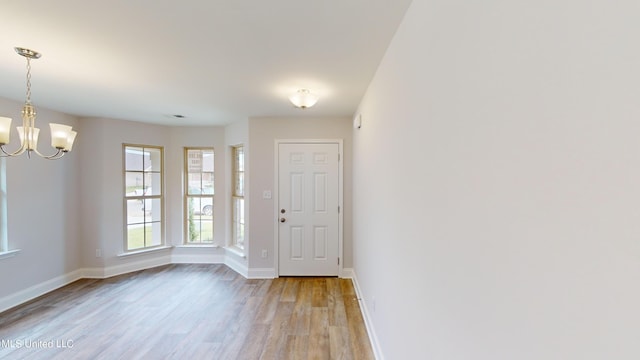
186	237
5	249
4	241
143	198
238	193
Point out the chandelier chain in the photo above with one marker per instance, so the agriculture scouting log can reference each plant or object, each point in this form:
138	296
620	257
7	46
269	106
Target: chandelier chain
28	81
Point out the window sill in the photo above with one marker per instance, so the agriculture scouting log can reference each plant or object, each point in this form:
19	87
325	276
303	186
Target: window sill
145	251
236	251
9	253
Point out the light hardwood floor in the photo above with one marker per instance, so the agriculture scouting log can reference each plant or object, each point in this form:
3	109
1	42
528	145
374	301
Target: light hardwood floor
189	312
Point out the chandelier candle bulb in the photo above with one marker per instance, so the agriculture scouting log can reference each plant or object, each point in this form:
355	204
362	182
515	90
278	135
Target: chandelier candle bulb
70	139
59	135
5	129
30	139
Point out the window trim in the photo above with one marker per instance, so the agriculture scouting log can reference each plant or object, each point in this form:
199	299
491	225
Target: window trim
5	251
125	242
9	253
234	196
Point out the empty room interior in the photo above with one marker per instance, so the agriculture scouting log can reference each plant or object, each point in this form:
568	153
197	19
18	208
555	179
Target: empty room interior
359	179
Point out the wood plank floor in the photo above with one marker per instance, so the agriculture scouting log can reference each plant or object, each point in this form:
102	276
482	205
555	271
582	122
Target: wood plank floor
189	312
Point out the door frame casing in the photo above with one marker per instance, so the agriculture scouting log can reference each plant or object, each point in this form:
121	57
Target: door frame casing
276	197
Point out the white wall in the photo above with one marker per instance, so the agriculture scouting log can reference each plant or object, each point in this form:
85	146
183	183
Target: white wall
496	183
262	135
42	205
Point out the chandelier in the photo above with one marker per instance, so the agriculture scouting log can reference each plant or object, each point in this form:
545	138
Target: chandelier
62	136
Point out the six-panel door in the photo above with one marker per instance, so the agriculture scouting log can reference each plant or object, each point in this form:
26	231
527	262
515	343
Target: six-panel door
308	209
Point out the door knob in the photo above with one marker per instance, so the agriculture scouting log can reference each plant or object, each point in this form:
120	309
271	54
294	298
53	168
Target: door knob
282	220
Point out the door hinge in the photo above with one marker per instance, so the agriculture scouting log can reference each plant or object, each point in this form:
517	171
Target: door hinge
338	261
338	209
338	156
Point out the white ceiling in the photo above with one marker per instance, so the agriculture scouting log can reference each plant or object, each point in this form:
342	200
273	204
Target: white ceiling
213	61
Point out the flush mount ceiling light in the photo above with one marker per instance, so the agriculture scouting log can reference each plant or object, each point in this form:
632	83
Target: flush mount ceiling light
62	136
303	99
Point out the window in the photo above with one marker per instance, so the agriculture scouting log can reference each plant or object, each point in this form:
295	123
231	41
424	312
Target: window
237	200
143	199
198	195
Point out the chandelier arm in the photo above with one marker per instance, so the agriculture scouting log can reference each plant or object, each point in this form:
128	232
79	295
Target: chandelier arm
59	153
56	156
4	152
19	151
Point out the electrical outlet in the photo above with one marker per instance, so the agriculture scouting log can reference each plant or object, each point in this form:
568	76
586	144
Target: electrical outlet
98	253
264	253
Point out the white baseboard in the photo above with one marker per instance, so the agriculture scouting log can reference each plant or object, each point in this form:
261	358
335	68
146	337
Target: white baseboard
93	273
236	265
264	273
198	259
368	322
347	273
42	288
115	270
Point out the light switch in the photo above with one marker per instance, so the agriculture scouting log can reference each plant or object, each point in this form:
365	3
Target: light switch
266	194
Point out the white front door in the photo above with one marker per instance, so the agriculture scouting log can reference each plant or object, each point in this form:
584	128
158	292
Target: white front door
308	213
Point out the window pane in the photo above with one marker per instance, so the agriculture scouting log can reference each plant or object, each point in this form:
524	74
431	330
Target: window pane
152	210
153	234
194	161
207	161
195	183
135	214
135	236
153	184
200	229
133	158
200	219
152	160
238	222
239	191
134	181
207	183
240	157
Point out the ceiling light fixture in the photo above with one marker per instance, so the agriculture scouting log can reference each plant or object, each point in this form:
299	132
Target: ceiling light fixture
303	99
62	136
